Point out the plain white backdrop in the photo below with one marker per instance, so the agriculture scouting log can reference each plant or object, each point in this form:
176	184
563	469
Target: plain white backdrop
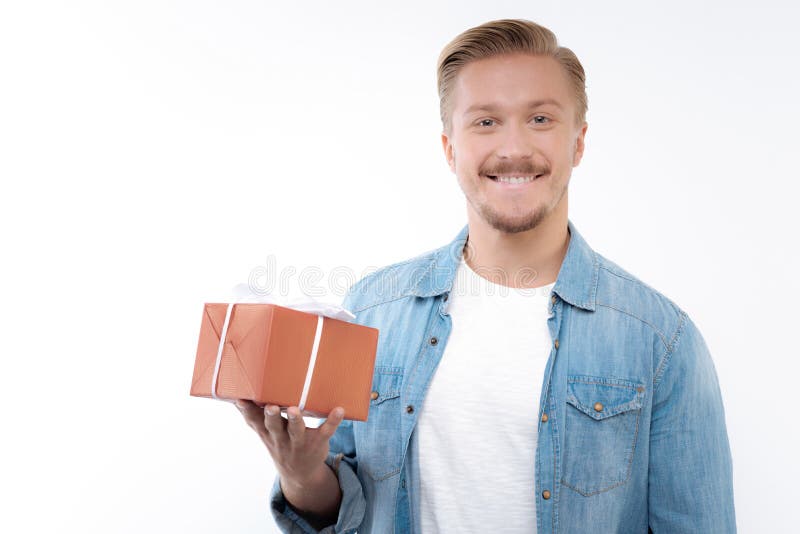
155	153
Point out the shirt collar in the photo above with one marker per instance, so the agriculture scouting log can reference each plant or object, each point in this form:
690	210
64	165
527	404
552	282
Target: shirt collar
576	282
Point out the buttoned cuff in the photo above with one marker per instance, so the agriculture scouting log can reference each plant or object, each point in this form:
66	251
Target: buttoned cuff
351	510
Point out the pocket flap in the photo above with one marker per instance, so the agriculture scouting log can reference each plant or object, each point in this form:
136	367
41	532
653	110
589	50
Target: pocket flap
600	397
386	384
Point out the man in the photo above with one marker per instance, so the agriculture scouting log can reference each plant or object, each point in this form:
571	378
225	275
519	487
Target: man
523	382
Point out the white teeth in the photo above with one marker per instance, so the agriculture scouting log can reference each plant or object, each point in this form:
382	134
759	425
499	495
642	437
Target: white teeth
515	179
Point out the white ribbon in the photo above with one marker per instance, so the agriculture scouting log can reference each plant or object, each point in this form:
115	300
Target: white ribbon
222	335
311	363
244	295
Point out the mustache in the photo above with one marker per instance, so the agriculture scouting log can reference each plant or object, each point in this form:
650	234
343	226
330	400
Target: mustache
525	168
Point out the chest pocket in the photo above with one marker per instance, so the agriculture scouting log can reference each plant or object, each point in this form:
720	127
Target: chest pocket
378	439
601	429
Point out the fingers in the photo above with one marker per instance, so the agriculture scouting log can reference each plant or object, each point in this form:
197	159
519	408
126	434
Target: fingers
251	412
271	426
274	423
296	426
328	428
254	417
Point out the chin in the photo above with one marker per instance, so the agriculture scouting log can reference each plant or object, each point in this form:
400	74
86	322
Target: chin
513	225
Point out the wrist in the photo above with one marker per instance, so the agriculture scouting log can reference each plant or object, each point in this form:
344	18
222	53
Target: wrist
312	480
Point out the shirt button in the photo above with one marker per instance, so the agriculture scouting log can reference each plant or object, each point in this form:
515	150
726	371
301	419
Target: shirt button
410	408
434	341
403	483
373	395
546	494
598	407
556	343
553	299
544	418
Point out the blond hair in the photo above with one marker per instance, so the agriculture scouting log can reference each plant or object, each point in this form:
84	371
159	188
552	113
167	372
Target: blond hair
505	36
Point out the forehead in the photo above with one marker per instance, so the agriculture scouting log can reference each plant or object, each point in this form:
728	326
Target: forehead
511	81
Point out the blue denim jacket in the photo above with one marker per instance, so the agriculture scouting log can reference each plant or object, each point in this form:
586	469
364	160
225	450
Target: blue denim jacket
634	437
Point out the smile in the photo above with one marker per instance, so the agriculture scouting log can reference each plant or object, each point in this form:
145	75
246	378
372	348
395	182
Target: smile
514	179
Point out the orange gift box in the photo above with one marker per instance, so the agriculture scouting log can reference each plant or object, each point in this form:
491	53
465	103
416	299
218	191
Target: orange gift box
277	355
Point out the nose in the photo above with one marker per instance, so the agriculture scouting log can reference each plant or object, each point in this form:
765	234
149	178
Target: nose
515	143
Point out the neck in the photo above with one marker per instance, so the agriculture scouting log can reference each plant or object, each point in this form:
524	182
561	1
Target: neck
526	259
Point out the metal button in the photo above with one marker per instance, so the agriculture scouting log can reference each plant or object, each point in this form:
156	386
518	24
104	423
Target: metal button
598	407
553	299
373	395
556	343
544	418
410	408
434	341
403	483
546	494
640	389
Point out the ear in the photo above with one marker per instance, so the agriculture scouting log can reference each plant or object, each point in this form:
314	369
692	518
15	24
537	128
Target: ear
579	145
449	152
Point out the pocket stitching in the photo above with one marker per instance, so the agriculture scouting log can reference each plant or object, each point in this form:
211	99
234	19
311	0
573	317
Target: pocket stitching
634	404
608	411
394	388
627	474
393	377
384	397
383	477
630	385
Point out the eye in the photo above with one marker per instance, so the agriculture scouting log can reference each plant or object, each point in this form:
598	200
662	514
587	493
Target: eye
483	122
541	119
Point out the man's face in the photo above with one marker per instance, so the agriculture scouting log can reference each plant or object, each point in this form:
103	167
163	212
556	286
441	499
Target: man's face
513	116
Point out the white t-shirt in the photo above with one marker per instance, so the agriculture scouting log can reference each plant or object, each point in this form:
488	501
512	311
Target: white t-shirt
477	428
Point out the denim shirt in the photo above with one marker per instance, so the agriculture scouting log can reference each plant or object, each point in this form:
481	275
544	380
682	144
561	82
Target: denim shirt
632	433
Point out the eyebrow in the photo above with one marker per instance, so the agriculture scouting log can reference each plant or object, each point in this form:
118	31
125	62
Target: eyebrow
531	104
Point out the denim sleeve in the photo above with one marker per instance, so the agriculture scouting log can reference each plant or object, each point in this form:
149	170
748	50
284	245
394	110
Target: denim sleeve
690	473
351	512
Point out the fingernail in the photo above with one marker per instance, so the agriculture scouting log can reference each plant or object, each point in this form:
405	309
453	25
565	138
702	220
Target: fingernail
339	412
291	416
272	410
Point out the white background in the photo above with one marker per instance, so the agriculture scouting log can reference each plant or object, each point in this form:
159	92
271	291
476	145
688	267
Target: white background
154	153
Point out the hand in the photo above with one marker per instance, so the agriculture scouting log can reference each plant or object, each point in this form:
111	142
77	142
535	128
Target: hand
298	452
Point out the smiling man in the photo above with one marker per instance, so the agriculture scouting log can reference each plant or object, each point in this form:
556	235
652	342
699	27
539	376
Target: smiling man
523	382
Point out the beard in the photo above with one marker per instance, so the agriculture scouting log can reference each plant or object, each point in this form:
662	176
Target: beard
531	217
508	224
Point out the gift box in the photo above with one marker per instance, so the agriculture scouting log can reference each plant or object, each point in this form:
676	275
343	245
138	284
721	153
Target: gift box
273	354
